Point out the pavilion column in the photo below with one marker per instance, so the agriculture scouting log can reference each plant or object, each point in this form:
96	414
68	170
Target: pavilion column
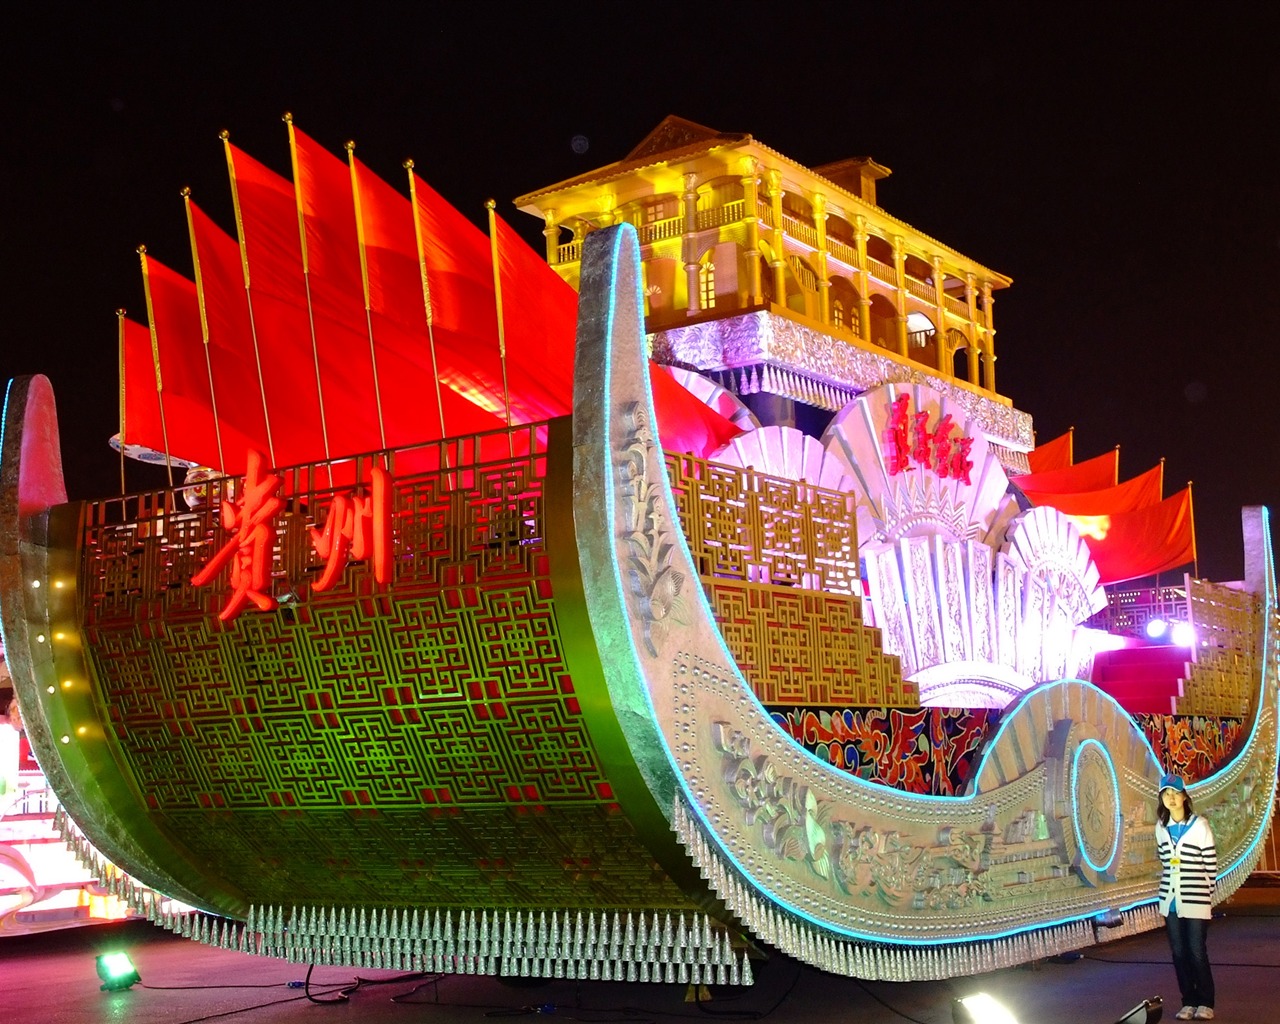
552	234
690	245
946	365
824	274
750	201
779	238
971	328
989	330
900	282
864	278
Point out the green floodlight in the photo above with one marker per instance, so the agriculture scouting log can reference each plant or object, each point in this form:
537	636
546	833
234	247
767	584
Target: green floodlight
117	972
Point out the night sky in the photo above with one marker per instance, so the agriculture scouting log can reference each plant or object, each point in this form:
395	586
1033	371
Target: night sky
1122	168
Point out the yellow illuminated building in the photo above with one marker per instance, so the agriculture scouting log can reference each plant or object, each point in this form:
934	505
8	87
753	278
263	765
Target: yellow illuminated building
728	226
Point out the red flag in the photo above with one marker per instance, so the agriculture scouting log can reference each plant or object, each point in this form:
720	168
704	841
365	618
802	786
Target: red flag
186	395
1055	454
1091	475
685	422
409	357
1151	540
464	317
267	218
331	261
540	317
1142	491
141	400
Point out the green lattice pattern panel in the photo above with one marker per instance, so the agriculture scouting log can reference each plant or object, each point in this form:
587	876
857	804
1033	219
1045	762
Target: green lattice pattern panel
571	856
408	742
441	699
806	647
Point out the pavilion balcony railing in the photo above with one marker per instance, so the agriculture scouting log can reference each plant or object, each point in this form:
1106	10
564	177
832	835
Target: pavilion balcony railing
882	271
844	252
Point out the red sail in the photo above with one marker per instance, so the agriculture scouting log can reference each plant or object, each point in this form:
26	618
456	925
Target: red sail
1128	545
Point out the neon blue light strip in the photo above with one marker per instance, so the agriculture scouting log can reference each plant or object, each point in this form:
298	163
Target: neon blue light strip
1075	803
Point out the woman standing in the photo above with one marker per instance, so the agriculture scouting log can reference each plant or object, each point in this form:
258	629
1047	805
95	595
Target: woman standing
1189	867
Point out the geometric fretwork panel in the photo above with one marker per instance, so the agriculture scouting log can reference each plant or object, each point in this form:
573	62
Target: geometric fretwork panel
806	647
417	741
750	526
1223	679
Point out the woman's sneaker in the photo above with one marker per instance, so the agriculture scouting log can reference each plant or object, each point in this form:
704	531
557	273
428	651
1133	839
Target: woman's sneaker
1186	1013
1204	1013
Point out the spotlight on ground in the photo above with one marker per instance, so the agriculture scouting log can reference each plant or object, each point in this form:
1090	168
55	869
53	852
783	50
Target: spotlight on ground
117	972
1184	634
980	1008
1156	628
1149	1011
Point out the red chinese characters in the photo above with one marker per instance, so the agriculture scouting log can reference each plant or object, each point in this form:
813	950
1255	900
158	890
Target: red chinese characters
904	446
357	527
249	551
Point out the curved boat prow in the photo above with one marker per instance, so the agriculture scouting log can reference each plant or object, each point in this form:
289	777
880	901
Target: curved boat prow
1054	836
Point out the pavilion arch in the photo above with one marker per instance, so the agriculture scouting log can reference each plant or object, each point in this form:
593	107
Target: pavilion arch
802	286
959	354
884	323
719	192
922	339
846	305
915	267
880	249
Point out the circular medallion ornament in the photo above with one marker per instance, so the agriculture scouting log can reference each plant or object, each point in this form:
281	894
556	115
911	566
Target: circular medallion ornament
1095	801
1082	802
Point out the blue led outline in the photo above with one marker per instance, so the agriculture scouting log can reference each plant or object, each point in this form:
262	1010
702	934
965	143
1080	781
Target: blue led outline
1075	804
1268	603
731	662
680	780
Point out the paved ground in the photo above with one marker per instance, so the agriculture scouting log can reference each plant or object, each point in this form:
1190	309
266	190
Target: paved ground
50	979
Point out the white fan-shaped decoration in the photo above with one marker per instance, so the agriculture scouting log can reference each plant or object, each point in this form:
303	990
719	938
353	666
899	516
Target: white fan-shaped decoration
788	453
918	501
1048	546
714	397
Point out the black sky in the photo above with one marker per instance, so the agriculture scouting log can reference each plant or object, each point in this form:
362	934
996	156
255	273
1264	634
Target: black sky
1119	161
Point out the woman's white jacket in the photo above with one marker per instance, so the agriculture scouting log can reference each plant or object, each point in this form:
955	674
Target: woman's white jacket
1188	869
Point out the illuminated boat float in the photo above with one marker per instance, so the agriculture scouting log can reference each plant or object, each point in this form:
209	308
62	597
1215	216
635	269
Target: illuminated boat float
562	699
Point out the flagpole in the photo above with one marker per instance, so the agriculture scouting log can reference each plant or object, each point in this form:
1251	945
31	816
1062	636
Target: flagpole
364	282
1191	511
306	280
490	205
1162	478
1071	445
225	136
155	361
204	327
426	292
120	344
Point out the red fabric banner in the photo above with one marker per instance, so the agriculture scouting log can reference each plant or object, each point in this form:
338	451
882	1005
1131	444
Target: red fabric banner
259	339
1056	454
1141	543
540	323
141	401
407	366
1091	475
234	366
1142	491
685	422
268	220
186	396
331	259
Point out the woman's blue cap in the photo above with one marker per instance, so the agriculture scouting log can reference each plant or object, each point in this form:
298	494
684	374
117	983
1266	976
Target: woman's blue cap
1173	782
